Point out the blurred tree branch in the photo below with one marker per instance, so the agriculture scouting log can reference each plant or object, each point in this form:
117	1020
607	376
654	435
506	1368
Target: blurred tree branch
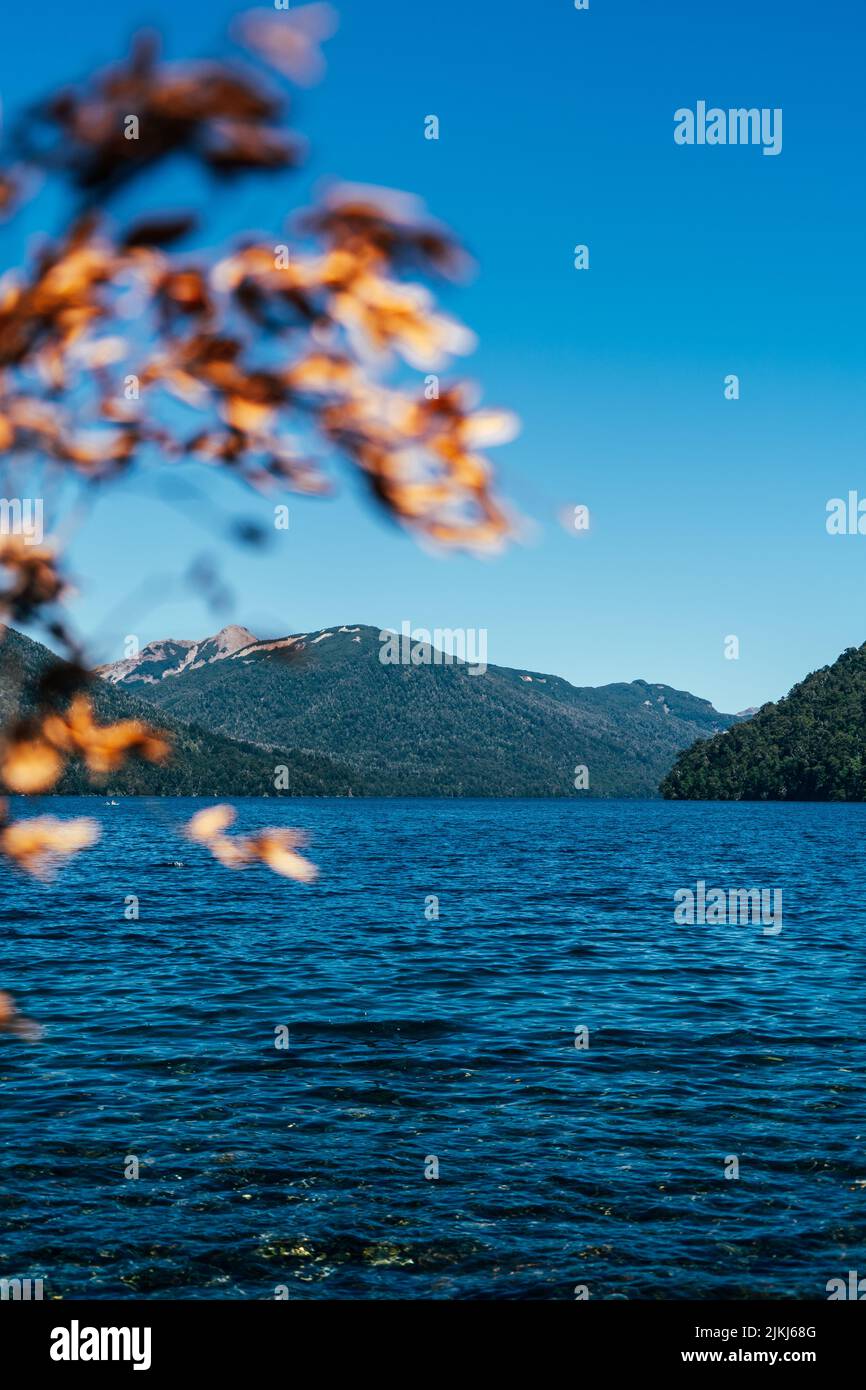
110	338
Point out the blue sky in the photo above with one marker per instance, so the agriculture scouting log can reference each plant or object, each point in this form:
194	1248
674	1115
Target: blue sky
556	128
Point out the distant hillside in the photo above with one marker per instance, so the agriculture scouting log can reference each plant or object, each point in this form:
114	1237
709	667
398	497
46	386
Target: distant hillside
426	729
810	746
171	657
204	763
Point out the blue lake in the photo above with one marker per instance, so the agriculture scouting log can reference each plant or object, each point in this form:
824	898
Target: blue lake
452	1039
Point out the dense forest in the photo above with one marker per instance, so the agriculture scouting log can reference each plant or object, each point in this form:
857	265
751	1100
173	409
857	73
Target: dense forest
810	746
203	763
427	729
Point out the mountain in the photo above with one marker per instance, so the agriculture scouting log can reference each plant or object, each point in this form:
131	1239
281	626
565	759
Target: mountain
204	763
428	729
810	746
160	659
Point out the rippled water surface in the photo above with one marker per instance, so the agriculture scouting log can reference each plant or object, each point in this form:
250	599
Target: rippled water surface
451	1038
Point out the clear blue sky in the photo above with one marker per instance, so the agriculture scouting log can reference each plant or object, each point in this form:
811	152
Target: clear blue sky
557	128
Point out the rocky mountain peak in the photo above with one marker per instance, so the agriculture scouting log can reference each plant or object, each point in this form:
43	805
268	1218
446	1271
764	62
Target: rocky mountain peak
230	639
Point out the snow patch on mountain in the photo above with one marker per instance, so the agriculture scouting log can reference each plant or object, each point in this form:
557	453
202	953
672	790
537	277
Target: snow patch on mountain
246	653
171	656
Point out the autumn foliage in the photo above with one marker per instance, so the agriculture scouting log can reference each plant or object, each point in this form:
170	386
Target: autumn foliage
279	351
